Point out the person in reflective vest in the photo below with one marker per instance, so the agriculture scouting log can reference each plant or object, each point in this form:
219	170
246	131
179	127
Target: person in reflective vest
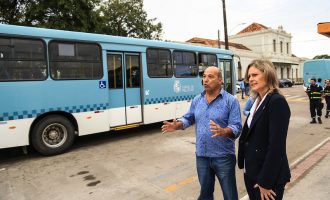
327	97
314	92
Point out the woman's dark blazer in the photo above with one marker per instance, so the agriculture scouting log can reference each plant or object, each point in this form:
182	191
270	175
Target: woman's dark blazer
262	147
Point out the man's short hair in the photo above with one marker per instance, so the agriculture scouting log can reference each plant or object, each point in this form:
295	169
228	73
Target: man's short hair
313	79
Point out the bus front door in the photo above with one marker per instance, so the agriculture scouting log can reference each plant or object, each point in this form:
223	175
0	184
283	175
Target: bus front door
124	71
227	75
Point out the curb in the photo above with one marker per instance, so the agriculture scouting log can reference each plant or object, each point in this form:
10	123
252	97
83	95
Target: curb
301	158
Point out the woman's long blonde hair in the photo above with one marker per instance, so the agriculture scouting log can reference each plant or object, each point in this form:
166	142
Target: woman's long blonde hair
269	72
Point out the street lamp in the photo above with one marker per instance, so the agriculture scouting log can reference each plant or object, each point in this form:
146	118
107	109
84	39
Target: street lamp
231	30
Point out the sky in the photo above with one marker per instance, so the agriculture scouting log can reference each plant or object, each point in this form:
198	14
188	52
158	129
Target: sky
185	19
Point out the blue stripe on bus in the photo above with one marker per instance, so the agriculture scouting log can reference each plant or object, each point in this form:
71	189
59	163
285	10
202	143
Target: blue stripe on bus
168	99
34	113
7	116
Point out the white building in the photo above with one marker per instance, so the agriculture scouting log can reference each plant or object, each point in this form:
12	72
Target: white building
258	41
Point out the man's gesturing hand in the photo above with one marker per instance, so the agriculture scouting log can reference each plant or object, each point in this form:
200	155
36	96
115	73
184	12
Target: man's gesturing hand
171	126
217	130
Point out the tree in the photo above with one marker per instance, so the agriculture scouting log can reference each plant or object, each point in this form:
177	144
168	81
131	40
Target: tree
74	15
324	56
115	17
12	11
127	18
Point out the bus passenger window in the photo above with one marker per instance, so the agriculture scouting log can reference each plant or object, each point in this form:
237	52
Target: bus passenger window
206	60
21	58
4	75
185	64
75	61
159	63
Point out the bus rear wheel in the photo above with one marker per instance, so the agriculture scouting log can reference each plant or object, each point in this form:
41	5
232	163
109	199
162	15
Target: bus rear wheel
52	135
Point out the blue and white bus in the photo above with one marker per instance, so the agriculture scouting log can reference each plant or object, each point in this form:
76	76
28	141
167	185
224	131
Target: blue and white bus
318	69
56	85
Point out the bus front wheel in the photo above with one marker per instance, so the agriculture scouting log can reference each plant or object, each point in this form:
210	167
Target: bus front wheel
52	135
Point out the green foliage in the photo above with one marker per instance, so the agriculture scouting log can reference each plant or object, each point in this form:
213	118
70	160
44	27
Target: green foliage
127	18
114	17
324	56
74	15
12	11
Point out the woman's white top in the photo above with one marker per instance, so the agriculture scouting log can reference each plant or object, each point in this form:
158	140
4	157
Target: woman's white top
254	109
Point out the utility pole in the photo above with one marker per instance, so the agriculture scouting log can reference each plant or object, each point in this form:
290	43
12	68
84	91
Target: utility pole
219	42
225	23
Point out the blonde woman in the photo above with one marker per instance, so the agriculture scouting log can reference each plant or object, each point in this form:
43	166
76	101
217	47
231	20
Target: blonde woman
262	145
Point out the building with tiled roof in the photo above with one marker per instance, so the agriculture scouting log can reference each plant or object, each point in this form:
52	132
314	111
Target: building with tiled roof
271	44
215	43
258	41
252	28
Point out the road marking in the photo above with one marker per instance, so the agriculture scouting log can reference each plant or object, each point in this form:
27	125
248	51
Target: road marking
296	98
176	186
302	99
292	97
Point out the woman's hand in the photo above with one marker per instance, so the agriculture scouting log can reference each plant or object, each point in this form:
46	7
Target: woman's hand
266	194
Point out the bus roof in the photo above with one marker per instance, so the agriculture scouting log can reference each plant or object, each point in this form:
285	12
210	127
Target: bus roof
101	38
316	61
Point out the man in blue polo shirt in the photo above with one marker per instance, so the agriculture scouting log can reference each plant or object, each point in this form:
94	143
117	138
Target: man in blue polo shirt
216	114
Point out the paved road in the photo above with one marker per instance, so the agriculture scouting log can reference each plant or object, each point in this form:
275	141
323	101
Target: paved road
133	164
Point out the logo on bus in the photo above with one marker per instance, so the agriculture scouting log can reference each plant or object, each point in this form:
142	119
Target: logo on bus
177	86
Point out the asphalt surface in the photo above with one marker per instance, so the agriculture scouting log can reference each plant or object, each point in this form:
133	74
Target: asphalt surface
141	163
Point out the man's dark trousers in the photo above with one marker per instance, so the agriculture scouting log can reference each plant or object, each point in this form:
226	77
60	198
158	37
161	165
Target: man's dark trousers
314	107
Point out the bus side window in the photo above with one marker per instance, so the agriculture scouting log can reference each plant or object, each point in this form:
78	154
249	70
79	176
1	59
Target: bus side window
3	72
4	75
37	73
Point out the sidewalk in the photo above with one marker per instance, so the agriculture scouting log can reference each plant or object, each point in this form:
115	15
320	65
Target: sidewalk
311	176
314	184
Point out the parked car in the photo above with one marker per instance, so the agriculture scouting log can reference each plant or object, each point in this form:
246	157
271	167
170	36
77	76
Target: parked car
285	83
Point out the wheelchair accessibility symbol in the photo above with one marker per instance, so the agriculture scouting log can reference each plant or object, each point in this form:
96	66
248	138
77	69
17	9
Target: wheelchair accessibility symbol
102	84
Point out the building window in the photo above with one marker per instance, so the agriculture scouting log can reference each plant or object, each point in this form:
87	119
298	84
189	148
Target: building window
281	46
287	48
159	63
274	45
296	74
239	70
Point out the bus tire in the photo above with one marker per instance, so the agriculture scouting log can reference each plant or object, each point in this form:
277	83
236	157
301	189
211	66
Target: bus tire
52	135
